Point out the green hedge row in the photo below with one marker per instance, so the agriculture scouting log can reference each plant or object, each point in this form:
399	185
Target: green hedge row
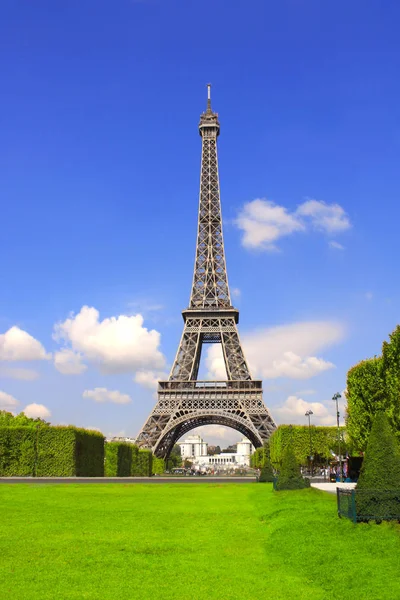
17	451
118	459
124	460
51	452
158	466
323	439
144	464
68	452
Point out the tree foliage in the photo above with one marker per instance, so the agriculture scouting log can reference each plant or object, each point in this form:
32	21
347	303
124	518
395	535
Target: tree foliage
290	477
261	456
7	419
380	472
324	441
372	386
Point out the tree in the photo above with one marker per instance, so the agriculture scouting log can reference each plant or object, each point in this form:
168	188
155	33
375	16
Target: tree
324	442
365	396
267	472
175	459
7	419
380	473
372	386
231	449
289	477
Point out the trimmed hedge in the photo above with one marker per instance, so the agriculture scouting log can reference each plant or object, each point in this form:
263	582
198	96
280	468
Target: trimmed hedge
118	459
135	461
158	465
289	477
144	463
380	472
51	452
89	453
324	439
17	451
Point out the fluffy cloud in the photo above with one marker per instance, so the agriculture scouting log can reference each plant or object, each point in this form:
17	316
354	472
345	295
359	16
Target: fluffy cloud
16	344
284	351
35	411
7	402
116	344
18	373
263	222
104	395
149	379
68	362
330	218
293	411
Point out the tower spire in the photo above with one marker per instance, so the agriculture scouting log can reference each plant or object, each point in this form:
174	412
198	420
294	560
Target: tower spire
209	97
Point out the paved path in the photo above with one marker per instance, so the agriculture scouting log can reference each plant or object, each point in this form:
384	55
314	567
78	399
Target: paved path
331	487
127	480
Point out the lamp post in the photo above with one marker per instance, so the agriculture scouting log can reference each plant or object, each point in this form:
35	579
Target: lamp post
335	398
308	414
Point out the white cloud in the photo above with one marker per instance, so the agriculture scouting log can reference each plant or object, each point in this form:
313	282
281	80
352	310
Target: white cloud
264	222
16	344
330	218
35	411
18	373
336	245
369	295
68	362
104	395
215	364
283	351
7	401
116	344
293	411
149	379
236	293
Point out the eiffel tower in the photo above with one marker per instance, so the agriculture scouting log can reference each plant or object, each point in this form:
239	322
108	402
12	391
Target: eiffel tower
184	402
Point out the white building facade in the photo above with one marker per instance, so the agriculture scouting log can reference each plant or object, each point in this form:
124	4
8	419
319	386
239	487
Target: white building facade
194	448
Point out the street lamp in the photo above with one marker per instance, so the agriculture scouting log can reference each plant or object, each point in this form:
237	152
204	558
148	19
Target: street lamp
308	414
335	398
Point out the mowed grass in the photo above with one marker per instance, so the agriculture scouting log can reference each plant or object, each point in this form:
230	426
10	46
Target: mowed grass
188	541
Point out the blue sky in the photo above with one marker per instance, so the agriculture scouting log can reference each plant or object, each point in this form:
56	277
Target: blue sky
99	165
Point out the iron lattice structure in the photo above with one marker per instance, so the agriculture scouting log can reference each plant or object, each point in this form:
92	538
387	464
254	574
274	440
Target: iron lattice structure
184	402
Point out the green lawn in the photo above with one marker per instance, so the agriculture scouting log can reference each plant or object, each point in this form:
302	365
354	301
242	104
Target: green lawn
188	541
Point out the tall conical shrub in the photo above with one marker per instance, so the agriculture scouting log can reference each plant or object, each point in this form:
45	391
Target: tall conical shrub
290	477
378	487
267	473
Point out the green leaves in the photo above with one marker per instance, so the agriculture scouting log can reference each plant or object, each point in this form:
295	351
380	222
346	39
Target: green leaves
372	386
324	441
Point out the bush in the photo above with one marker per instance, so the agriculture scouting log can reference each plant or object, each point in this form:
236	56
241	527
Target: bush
69	452
17	451
118	459
289	477
380	472
158	465
267	473
261	456
135	461
144	468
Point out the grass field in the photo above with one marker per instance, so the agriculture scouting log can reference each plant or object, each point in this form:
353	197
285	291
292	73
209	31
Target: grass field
192	542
